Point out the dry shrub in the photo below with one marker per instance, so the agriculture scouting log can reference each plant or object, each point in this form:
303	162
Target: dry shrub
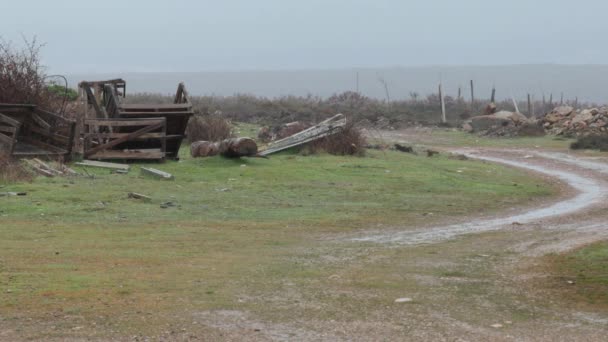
289	129
350	141
208	128
22	78
11	171
591	142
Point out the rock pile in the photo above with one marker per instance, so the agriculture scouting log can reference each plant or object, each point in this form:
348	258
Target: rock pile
567	121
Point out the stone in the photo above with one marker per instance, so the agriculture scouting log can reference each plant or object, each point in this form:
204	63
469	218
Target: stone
404	300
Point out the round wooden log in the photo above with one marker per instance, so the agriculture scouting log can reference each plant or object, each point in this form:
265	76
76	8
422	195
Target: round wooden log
204	149
229	148
238	147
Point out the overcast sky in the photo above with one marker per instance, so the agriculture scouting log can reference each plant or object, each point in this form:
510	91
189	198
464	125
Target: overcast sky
203	35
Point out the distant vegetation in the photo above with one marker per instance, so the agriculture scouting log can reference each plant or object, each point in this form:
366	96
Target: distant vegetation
362	109
61	91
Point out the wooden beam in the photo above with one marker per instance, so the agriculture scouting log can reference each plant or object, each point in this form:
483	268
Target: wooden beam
123	122
8	120
157	173
104	165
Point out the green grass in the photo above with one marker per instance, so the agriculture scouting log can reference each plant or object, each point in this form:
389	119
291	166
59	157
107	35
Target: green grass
587	267
241	231
456	138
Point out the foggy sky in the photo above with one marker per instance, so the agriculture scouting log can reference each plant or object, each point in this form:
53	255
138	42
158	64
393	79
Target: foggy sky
115	36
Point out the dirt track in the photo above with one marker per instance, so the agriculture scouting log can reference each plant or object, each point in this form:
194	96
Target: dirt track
582	176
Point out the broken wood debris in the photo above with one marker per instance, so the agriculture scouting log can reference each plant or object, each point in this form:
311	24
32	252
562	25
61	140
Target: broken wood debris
135	195
104	165
156	173
326	128
404	148
3	194
46	170
229	148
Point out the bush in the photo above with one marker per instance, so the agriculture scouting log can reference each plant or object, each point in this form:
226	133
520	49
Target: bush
11	171
350	141
591	142
21	75
208	128
59	91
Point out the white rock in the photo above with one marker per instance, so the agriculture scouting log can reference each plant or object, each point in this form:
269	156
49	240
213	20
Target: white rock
404	300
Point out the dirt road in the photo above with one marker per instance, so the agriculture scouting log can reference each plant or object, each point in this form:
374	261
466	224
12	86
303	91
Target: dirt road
584	177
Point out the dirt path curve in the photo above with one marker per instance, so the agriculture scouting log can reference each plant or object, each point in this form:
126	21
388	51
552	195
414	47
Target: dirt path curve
585	177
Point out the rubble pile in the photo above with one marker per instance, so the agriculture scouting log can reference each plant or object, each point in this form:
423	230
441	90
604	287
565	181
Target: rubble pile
567	121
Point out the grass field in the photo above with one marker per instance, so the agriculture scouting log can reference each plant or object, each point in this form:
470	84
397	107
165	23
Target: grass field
442	137
582	275
79	258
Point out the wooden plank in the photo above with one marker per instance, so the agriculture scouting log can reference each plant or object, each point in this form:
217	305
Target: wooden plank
8	129
7	140
93	101
176	106
38	169
8	120
125	138
17	105
121	135
156	173
104	165
135	195
128	154
37	119
323	129
123	122
57	137
51	149
53	115
155	113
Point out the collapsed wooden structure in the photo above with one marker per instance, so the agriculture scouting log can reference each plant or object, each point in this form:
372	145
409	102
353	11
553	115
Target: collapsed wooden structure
114	130
326	128
28	131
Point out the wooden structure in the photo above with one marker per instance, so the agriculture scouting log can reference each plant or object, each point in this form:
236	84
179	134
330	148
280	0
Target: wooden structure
326	128
113	130
28	131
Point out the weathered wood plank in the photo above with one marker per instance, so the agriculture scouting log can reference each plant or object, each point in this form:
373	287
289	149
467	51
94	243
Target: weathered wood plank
128	154
37	119
123	122
8	129
321	130
104	165
157	173
7	140
8	120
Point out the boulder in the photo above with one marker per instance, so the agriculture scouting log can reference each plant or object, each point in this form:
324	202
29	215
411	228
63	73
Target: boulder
500	119
582	117
563	110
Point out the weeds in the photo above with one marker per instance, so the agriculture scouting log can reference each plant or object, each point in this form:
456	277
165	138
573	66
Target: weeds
208	128
591	142
11	171
350	141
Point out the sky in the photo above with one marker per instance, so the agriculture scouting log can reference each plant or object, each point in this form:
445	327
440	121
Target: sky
231	35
